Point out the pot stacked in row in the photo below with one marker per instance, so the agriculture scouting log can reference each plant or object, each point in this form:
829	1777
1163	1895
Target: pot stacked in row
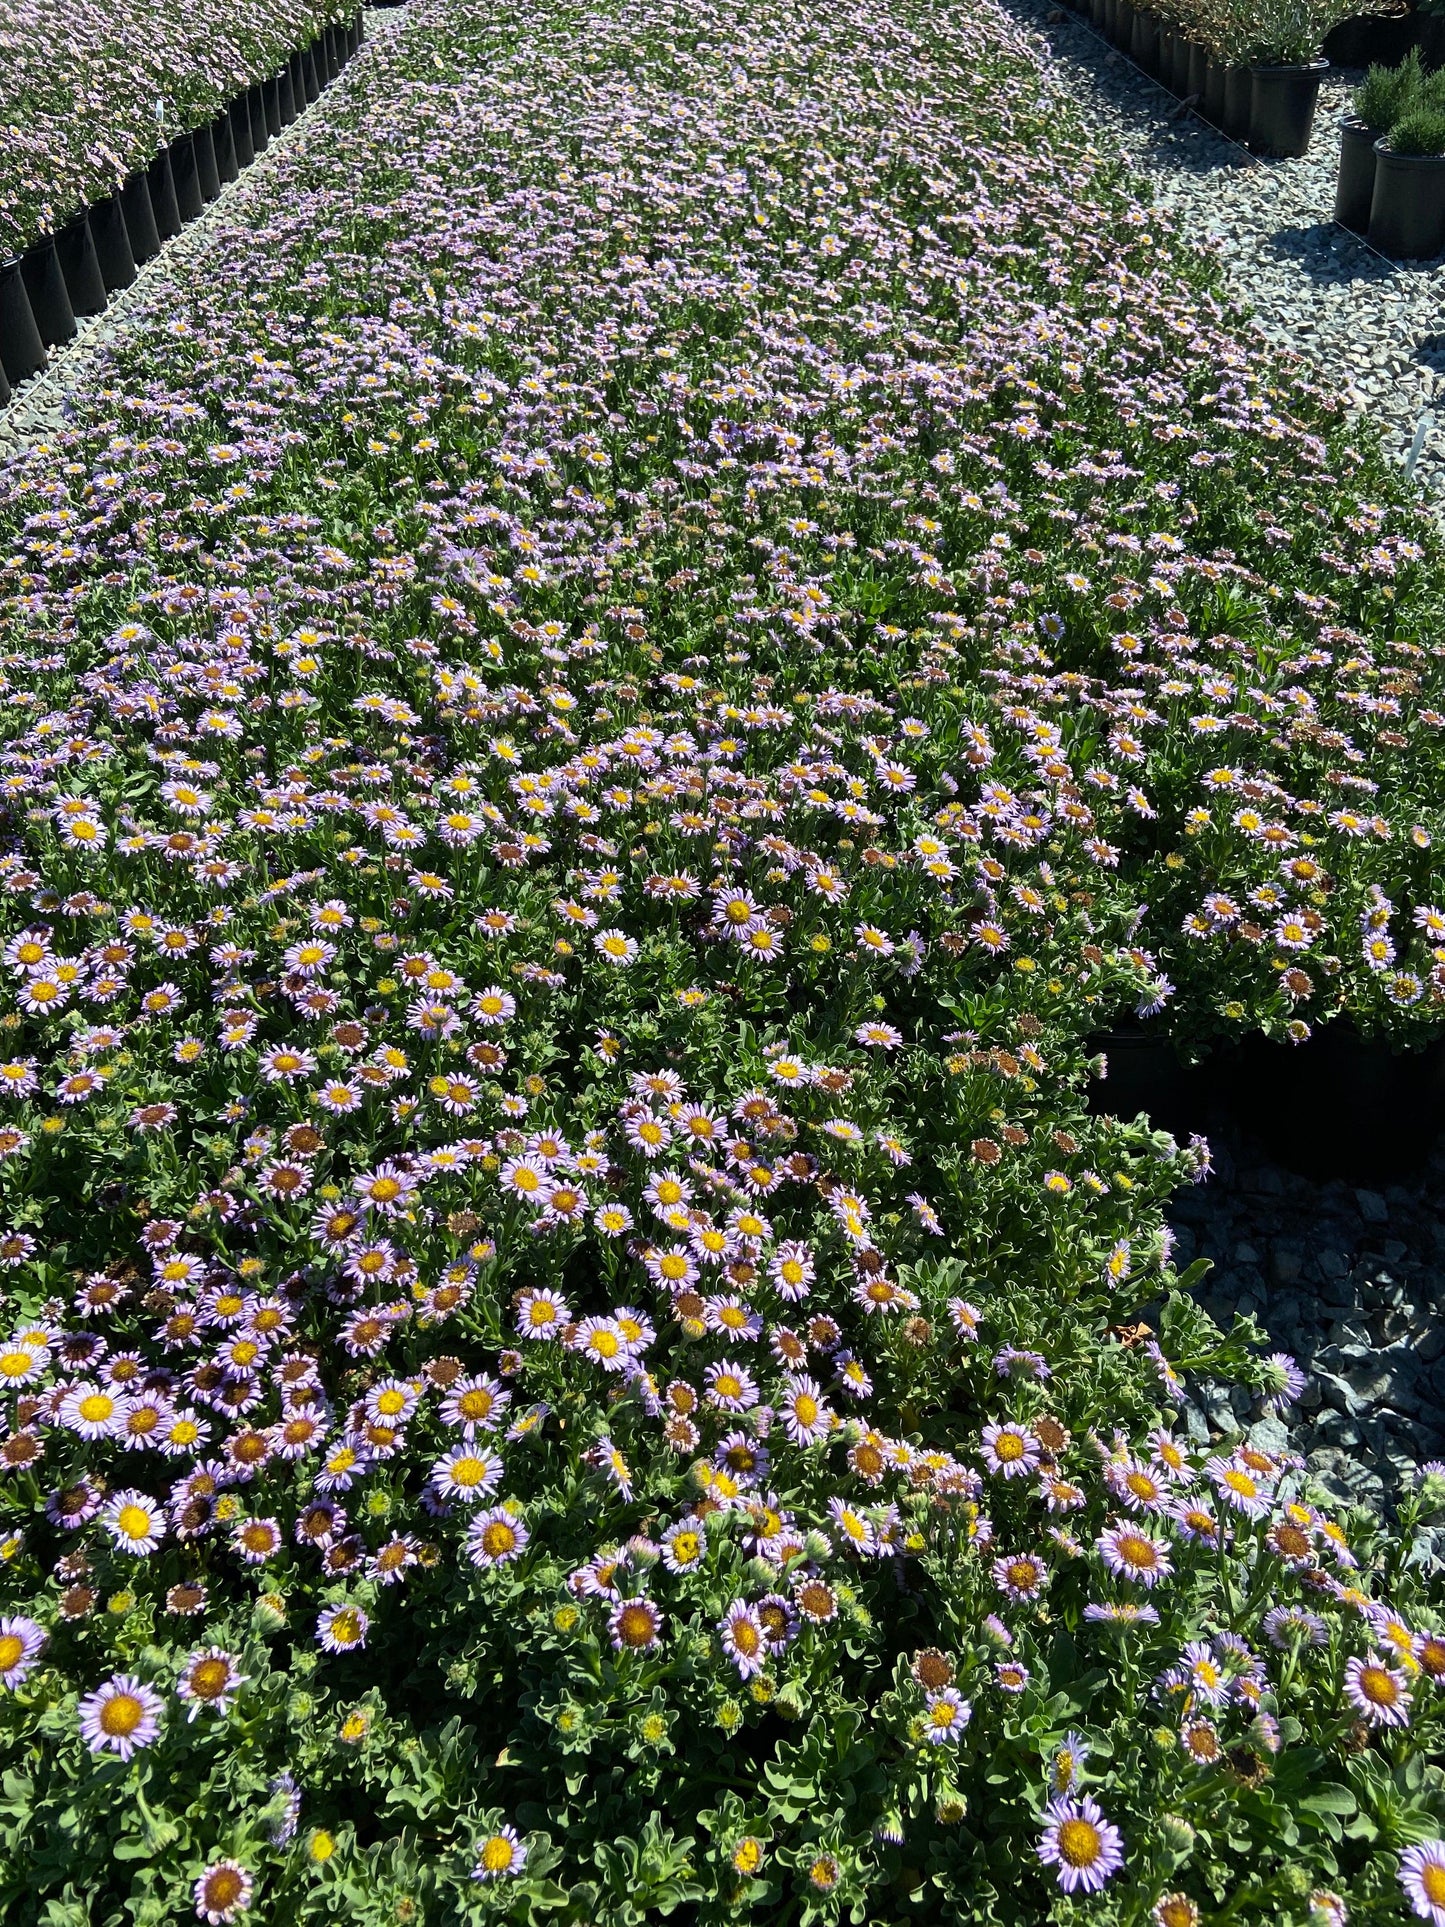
1252	67
1392	161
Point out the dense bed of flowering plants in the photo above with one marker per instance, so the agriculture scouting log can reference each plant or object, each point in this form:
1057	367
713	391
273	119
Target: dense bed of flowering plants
576	789
89	92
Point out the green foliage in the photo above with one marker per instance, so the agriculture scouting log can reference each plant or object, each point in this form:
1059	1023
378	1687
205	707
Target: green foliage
1419	131
1386	93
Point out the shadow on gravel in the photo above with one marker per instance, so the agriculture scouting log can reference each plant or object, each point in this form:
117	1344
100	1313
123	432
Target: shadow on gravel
1329	255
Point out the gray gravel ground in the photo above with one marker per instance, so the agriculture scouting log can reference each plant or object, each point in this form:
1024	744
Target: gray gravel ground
1371	327
38	406
1351	1282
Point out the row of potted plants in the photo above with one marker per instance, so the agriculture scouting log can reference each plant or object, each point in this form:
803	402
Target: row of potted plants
1258	81
1392	161
90	90
75	270
1253	69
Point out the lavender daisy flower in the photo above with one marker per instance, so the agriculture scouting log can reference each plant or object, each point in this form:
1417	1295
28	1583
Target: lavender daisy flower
1284	1381
635	1626
500	1855
1010	1449
743	1638
946	1714
1131	1553
222	1892
120	1716
1422	1875
1084	1848
342	1629
209	1681
495	1537
283	1789
22	1641
1378	1693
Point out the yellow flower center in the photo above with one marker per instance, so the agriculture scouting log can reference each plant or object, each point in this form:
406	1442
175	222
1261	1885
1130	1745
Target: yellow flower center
209	1678
1378	1685
121	1715
1080	1843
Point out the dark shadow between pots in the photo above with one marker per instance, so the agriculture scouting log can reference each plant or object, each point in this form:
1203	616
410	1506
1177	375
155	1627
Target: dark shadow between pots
1336	1106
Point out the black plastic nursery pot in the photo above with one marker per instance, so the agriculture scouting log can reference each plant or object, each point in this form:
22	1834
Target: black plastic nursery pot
49	302
256	108
208	172
1175	63
1144	41
1167	42
112	243
1198	73
223	140
271	101
163	195
1123	24
286	94
140	216
240	118
1238	104
1355	187
4	386
186	177
79	263
22	352
310	80
1282	108
1212	100
1407	209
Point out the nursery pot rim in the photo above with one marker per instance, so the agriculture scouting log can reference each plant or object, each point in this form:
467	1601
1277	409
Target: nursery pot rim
1387	152
1288	66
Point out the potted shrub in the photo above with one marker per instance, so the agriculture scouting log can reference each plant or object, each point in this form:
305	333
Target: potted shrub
1286	55
1222	27
1407	212
1381	98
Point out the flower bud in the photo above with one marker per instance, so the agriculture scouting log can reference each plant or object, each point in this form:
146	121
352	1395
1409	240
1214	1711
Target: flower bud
1178	1834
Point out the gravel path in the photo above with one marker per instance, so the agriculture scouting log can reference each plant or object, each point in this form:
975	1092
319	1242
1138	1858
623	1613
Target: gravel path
38	406
1351	1282
1373	328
